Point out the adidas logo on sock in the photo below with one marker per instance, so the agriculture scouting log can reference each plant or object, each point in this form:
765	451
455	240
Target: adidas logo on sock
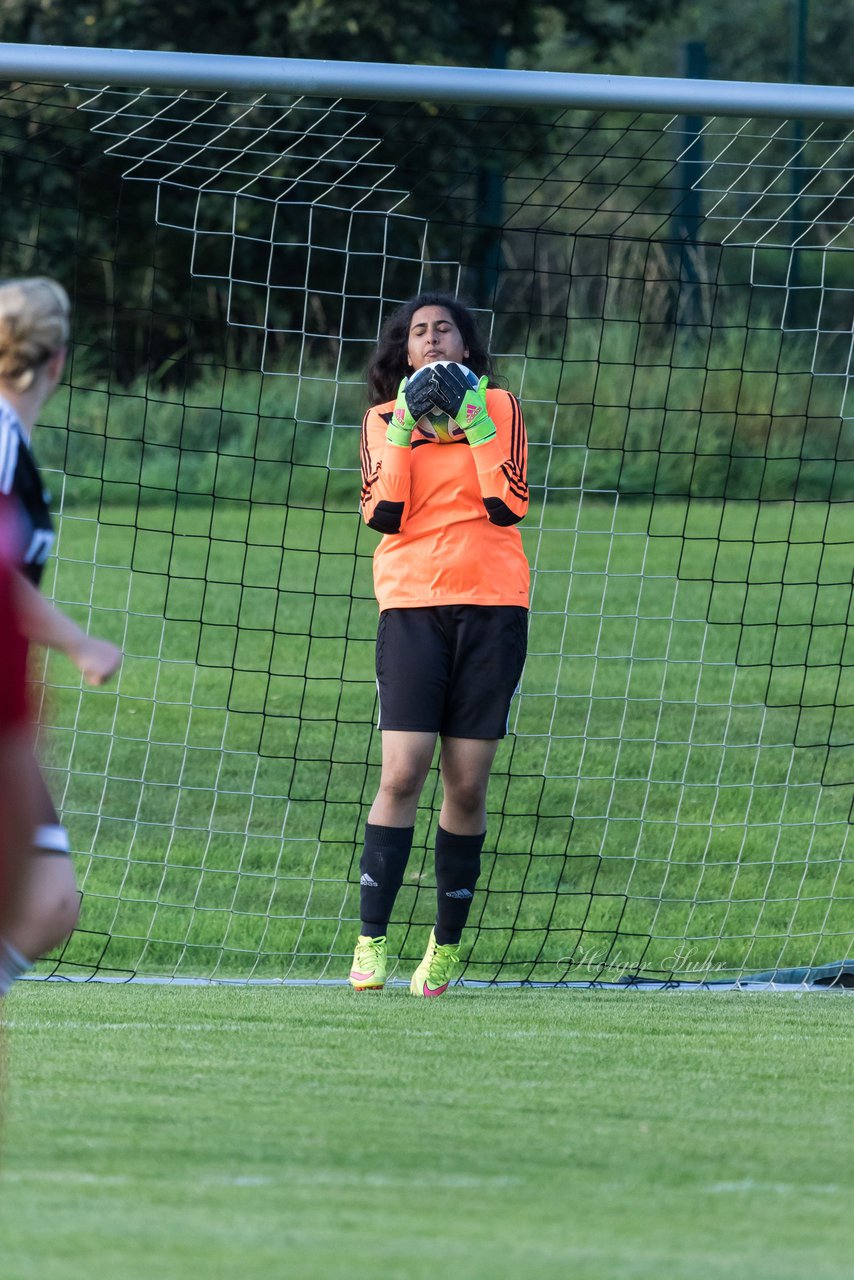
459	893
370	883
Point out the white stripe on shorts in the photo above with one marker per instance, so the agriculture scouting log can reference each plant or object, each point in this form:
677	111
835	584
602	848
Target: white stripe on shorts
52	838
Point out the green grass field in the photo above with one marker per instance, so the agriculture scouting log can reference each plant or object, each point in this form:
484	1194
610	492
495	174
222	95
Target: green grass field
244	1134
699	744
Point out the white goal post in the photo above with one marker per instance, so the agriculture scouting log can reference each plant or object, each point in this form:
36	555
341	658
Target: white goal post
664	268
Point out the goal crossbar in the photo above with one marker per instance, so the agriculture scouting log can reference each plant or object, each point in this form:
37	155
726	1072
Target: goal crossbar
415	83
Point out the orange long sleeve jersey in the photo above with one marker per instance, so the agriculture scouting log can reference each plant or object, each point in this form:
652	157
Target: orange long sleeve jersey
448	512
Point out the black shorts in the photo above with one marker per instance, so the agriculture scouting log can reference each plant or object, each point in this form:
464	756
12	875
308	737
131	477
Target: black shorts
450	669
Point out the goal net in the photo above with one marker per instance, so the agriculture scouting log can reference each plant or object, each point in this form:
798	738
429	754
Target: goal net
672	300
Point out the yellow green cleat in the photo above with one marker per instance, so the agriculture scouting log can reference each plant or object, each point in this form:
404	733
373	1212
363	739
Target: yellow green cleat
436	970
370	964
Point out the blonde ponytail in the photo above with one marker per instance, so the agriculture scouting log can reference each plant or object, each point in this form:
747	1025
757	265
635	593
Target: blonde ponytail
34	324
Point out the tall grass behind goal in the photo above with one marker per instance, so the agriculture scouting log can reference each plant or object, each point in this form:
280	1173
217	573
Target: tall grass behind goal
672	298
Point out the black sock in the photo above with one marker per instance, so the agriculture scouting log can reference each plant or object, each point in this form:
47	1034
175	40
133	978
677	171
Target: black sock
457	870
381	868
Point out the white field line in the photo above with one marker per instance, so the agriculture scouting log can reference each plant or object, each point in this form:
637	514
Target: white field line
81	1024
318	1177
773	1188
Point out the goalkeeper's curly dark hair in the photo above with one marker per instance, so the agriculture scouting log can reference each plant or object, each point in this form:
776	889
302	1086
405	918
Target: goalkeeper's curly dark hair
390	362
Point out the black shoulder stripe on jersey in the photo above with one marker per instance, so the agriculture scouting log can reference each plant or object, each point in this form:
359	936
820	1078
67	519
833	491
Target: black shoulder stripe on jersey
517	452
515	482
364	451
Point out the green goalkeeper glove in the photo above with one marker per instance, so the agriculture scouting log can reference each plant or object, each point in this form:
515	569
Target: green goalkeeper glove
459	393
413	401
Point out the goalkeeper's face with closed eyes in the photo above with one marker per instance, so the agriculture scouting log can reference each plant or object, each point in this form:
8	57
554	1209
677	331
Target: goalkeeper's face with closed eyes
434	335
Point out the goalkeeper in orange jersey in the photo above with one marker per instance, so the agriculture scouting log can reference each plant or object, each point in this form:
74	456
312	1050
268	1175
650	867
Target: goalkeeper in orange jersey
444	456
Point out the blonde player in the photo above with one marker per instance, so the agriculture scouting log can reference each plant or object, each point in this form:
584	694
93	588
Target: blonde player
34	331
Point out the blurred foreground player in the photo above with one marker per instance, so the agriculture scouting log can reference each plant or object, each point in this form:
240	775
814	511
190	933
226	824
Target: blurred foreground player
17	817
34	330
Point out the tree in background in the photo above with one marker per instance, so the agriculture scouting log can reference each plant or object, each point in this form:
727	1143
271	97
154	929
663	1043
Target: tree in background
357	30
744	42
